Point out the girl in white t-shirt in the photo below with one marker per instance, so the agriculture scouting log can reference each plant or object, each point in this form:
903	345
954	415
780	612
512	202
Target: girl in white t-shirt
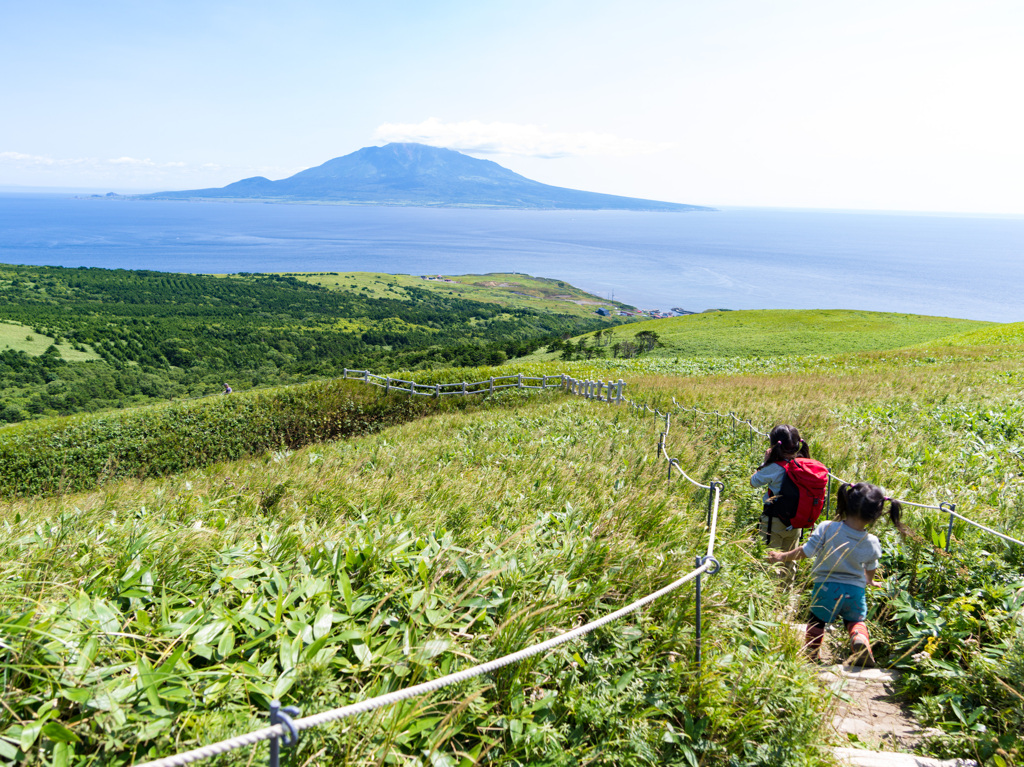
845	559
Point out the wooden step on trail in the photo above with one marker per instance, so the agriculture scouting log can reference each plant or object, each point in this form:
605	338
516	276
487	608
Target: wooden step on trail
856	757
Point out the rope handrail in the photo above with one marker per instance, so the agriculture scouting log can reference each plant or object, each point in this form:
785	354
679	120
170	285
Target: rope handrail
945	510
672	462
941	509
380	701
716	490
705	564
983	527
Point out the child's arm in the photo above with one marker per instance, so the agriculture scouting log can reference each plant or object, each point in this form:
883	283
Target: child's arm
870	576
788	556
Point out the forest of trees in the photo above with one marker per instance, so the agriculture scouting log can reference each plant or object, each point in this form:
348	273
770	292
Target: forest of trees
163	335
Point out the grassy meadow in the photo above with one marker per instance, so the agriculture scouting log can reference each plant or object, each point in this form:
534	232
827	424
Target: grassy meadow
519	291
151	615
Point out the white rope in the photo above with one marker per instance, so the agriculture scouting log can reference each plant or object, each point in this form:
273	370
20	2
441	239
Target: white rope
986	529
278	730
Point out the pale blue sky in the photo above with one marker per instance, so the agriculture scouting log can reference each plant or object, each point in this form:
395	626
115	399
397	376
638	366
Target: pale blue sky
894	104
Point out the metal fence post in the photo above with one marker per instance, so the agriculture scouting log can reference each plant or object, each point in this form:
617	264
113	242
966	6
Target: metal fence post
283	716
828	493
711	497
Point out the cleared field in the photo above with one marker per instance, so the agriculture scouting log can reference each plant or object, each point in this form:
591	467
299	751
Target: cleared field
19	337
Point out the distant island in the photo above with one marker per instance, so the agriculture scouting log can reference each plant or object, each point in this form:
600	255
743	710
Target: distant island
418	175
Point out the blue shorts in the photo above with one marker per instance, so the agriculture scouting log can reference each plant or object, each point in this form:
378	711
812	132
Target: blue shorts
843	600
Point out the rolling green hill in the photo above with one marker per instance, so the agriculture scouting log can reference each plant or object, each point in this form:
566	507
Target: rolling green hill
782	332
109	338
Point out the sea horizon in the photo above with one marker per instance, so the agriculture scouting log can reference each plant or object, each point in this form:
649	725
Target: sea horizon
963	265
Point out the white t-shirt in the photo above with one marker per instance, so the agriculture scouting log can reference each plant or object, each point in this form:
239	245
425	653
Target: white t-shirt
842	554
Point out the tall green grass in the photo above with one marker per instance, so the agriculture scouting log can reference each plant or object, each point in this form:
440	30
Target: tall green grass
77	453
153	615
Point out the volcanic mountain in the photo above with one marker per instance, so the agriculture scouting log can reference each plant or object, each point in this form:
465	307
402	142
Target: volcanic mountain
420	175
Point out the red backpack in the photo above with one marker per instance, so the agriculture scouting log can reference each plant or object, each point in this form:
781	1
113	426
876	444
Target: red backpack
802	498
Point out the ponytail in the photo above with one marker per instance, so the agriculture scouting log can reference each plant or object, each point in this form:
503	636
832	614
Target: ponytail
841	502
895	512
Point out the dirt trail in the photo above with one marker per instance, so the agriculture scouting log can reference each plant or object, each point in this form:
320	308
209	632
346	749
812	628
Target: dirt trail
867	716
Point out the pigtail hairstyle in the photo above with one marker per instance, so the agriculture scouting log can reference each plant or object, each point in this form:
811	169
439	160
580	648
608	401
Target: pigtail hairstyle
867	502
785	444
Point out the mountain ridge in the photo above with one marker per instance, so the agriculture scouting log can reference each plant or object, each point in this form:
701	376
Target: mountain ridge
418	175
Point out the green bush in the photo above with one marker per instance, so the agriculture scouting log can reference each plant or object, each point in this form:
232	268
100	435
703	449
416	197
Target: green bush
72	454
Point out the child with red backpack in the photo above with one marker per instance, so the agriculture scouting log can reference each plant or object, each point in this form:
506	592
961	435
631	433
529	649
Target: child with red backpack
794	490
845	559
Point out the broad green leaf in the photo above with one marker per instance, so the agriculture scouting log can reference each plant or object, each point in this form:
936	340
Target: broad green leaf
363	603
346	589
60	733
226	645
291	651
62	753
8	749
322	624
76	694
30	732
284	683
432	648
209	632
363	653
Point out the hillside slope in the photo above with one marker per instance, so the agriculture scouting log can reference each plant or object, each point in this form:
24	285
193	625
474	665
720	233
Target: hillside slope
338	571
783	332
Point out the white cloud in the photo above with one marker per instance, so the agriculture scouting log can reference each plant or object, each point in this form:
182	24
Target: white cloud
514	139
131	161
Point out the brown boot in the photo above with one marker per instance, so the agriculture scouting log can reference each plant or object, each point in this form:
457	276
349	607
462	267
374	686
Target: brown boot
812	640
860	646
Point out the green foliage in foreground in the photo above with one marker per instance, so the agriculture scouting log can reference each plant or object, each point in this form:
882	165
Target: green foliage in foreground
141	623
146	618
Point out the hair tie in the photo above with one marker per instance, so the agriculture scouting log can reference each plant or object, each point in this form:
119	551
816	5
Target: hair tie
779	442
887	498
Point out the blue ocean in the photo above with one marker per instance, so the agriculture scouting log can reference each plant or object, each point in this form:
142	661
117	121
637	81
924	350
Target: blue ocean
944	265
